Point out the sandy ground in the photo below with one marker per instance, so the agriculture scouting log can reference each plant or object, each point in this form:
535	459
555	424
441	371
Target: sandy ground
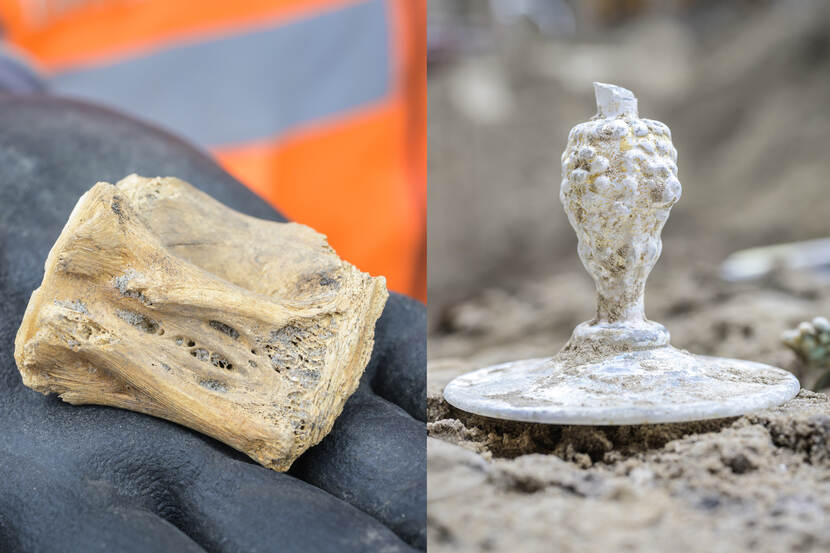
751	484
757	483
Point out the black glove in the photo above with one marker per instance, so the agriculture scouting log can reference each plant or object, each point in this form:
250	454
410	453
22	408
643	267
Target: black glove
94	478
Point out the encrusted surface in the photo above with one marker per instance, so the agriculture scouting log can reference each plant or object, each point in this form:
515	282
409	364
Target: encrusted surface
650	386
619	182
159	299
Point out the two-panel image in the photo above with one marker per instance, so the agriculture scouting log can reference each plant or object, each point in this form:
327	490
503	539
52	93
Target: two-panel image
397	276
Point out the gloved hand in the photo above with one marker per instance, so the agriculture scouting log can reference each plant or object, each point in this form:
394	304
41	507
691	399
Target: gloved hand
91	478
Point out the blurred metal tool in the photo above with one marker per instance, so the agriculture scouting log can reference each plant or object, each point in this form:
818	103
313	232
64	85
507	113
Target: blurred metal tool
551	17
757	262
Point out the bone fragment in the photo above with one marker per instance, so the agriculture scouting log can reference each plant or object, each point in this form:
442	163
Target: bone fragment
159	299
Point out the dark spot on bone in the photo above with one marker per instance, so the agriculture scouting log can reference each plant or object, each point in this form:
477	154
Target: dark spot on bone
328	281
219	361
190	343
289	334
116	207
214	385
298	424
225	329
122	285
76	305
139	321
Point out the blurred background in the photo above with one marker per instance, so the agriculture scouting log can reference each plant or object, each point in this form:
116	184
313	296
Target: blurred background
318	106
744	87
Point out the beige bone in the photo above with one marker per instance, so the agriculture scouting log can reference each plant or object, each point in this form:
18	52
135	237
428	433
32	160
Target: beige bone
159	299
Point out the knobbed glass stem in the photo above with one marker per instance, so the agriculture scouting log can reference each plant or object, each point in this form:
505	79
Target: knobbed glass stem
619	182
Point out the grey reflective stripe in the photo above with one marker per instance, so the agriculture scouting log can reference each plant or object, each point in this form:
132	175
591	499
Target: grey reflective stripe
16	74
255	85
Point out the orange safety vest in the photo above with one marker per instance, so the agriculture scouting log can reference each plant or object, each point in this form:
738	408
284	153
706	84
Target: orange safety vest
319	106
